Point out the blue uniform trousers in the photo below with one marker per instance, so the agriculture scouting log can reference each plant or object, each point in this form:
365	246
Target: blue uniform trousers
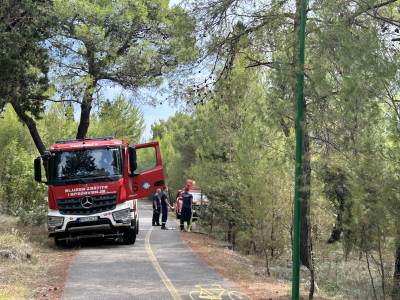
164	215
186	215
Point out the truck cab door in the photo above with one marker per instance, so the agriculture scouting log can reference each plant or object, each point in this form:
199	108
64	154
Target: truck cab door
149	173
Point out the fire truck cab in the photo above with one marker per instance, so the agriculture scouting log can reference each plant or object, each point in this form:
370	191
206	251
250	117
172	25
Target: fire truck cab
94	185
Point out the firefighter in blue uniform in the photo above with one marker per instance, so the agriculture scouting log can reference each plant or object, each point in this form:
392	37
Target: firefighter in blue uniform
164	207
186	211
156	208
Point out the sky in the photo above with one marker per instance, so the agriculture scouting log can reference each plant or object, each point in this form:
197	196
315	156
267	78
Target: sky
151	114
154	114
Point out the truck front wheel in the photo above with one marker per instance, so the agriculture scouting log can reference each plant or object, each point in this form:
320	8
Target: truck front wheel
60	243
129	236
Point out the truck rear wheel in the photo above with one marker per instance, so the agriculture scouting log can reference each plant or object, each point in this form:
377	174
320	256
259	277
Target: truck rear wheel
129	236
137	227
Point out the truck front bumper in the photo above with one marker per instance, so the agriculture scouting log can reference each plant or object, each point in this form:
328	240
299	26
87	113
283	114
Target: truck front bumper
107	223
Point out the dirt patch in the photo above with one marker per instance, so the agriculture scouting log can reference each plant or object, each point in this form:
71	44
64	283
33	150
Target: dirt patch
38	270
53	286
238	268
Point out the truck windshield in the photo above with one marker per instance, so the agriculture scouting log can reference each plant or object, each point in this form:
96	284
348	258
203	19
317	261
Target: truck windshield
88	163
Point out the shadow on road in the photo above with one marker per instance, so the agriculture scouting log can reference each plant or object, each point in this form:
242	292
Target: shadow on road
96	243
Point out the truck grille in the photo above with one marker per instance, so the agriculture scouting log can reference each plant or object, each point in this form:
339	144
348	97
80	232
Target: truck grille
81	205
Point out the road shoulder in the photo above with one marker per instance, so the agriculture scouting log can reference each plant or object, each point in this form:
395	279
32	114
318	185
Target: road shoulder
236	268
33	268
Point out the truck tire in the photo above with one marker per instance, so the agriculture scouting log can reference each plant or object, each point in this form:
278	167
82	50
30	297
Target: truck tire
129	236
137	227
60	243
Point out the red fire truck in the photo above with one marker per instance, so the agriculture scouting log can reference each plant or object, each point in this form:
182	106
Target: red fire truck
199	199
94	185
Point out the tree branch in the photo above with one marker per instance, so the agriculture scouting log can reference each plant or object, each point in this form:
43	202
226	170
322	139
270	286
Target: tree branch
64	100
31	124
368	8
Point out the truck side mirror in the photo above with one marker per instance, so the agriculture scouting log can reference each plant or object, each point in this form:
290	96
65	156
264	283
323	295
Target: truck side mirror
37	163
132	159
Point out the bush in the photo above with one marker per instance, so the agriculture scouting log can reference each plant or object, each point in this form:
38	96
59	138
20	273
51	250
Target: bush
20	195
36	215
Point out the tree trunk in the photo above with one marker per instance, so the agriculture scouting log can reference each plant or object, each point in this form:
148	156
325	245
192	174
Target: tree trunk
233	239
86	108
337	230
212	222
272	235
31	124
230	233
370	276
396	275
305	242
382	267
305	194
267	261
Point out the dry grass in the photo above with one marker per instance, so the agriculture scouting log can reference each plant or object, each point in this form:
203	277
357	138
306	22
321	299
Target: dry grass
36	269
246	272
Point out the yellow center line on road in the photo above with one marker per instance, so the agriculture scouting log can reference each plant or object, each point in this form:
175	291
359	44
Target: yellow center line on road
167	282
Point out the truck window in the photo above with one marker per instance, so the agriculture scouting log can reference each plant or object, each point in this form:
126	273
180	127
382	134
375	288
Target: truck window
146	159
88	163
196	197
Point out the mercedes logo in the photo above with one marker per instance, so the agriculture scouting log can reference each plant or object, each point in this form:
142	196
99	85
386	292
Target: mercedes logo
87	202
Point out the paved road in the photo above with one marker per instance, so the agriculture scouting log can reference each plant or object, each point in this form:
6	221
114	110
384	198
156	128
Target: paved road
158	266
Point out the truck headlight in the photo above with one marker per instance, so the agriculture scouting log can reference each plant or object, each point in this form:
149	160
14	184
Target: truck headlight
123	215
53	221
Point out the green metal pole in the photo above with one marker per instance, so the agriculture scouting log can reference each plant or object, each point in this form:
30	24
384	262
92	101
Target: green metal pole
299	144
